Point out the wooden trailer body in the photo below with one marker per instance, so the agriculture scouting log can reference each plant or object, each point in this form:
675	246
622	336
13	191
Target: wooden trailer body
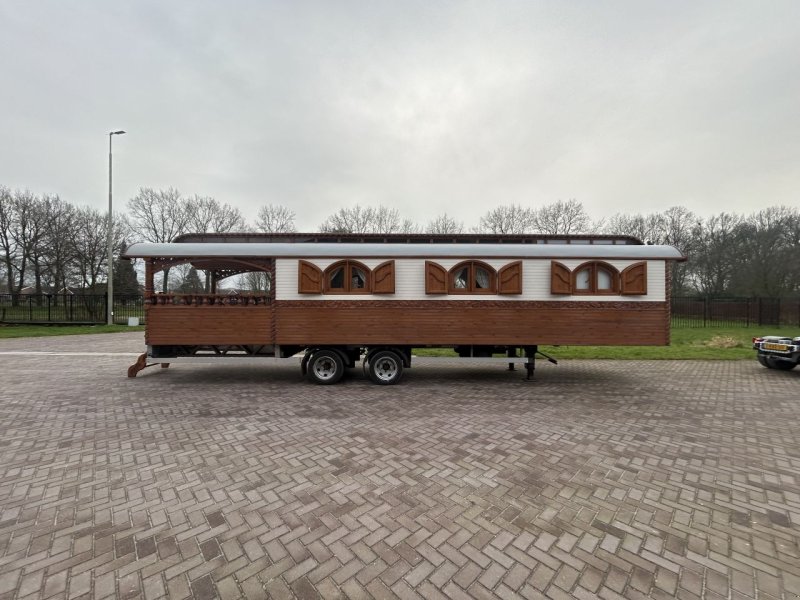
359	296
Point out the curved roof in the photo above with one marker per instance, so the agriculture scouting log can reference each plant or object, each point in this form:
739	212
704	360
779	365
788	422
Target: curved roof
190	250
407	238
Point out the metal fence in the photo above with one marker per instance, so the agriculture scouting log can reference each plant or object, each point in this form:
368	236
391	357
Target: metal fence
694	311
687	311
68	308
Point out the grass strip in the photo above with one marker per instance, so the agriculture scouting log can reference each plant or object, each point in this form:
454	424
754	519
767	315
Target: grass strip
18	331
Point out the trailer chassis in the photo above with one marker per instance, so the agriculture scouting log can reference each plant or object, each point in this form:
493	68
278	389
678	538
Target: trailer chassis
326	365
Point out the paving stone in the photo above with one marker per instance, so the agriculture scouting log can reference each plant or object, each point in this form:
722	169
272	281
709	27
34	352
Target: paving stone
603	478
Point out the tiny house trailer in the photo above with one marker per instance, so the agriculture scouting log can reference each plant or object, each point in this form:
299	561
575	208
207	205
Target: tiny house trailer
337	299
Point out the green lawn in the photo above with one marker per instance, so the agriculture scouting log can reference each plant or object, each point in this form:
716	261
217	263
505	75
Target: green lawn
717	343
16	331
711	343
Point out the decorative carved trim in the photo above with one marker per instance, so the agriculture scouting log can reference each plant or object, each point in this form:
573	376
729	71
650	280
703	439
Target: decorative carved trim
208	300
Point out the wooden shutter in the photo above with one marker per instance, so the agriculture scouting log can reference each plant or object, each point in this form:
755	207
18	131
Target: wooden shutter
560	279
309	278
383	278
435	278
509	278
634	280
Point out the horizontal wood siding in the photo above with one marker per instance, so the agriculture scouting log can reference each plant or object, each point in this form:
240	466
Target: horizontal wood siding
208	325
437	322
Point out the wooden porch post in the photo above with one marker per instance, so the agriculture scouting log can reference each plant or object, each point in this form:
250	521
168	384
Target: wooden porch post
148	278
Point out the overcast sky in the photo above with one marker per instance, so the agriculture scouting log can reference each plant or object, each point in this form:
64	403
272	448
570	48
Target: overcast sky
427	107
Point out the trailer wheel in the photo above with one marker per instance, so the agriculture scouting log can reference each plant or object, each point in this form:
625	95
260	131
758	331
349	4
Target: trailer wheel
385	367
325	367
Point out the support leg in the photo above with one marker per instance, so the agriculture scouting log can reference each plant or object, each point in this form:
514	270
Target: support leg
530	366
140	364
511	353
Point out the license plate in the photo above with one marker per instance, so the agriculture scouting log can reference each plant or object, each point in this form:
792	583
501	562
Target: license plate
778	347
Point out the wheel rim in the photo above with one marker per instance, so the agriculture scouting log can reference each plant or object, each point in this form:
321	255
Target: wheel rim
386	369
324	368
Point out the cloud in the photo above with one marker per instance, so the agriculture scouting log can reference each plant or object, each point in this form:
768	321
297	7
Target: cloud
423	107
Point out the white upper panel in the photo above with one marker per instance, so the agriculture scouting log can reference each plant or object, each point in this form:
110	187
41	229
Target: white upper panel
410	282
344	250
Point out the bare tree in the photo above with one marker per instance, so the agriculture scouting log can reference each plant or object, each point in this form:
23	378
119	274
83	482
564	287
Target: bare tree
367	220
206	214
157	216
38	245
89	246
25	232
561	218
408	226
255	281
57	250
647	228
677	225
8	245
274	218
348	220
387	220
507	219
767	253
444	224
714	261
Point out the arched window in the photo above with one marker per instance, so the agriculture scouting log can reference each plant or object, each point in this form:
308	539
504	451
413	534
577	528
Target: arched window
347	277
595	277
472	277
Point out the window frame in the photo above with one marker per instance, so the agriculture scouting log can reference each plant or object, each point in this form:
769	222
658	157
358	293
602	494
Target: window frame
593	290
471	288
347	264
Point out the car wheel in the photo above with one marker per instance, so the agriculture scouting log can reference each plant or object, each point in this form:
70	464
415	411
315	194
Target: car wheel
764	362
385	367
325	367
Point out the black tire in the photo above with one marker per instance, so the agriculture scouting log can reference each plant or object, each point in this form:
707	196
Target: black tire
385	367
782	365
325	367
764	361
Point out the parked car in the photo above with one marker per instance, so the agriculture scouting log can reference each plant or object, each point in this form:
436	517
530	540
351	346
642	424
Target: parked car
777	352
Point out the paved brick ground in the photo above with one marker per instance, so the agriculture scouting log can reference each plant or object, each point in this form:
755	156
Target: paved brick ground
602	479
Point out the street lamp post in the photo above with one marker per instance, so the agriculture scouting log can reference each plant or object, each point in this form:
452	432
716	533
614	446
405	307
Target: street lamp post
110	239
